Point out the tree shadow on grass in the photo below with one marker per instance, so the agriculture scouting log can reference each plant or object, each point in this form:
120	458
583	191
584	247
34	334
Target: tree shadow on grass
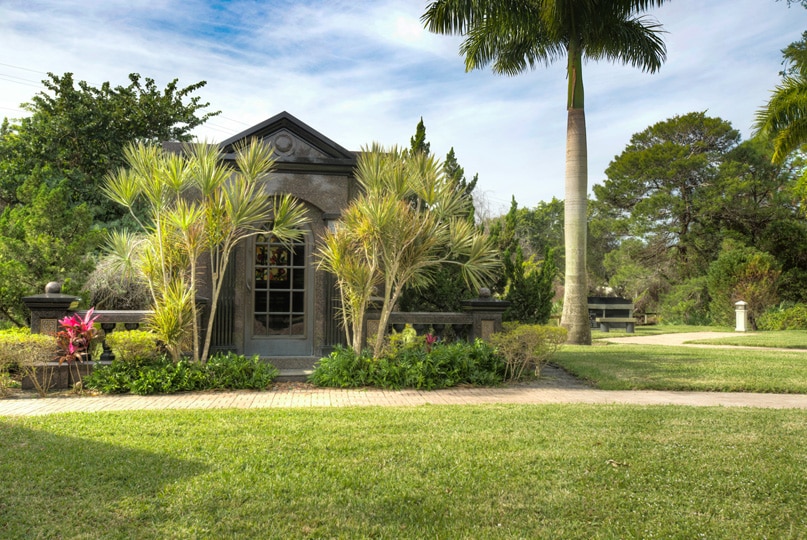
57	486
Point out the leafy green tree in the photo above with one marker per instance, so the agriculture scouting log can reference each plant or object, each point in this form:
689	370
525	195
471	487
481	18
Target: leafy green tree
528	284
503	236
52	166
657	188
633	276
47	238
686	303
514	35
386	240
742	273
787	241
531	289
76	134
541	228
750	193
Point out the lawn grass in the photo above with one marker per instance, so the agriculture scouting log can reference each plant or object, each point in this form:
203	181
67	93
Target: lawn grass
784	339
655	367
657	330
544	471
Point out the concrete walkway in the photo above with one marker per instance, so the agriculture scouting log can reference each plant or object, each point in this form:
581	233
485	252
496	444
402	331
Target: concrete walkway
552	390
682	339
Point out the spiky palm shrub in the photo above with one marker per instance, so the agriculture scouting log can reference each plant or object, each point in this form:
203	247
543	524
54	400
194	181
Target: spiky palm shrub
195	204
409	220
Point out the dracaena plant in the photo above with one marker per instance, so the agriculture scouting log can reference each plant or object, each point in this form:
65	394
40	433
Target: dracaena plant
76	335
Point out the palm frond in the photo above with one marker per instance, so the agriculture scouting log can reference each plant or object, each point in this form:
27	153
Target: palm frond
254	159
784	118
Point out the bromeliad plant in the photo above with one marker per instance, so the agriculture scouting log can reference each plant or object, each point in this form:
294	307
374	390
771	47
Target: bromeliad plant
76	336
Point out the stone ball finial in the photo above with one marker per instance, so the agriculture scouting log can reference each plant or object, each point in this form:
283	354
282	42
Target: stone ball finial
484	292
54	287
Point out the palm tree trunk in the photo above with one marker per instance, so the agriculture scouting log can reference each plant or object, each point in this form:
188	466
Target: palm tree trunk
575	298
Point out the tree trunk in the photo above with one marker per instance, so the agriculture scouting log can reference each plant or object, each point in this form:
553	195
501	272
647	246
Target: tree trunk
575	298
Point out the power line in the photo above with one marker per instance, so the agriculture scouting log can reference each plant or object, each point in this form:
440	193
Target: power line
24	82
22	68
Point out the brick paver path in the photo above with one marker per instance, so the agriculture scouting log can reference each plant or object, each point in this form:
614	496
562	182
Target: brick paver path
327	397
292	396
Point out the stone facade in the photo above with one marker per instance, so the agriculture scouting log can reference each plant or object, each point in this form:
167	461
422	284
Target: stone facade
319	173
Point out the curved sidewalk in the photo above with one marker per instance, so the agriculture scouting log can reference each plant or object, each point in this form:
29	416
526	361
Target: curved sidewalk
326	397
683	339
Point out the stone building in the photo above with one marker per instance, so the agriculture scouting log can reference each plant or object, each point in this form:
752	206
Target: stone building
275	303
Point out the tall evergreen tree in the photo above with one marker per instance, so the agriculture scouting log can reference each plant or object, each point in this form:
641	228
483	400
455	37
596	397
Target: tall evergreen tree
418	141
448	288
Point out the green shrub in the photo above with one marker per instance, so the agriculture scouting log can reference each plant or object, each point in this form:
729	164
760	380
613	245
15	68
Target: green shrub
792	317
23	351
234	371
133	345
525	347
687	303
163	376
19	346
343	368
742	273
412	364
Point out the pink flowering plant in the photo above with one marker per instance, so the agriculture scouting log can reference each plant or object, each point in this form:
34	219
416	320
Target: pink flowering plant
76	336
431	339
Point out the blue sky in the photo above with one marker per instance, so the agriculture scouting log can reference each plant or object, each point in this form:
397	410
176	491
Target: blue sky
365	70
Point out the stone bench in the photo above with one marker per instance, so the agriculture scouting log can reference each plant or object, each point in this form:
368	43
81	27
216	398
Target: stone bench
606	323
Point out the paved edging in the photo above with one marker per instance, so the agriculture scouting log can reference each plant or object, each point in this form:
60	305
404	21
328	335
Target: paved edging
327	397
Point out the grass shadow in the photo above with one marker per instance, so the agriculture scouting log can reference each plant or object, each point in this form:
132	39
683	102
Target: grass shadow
117	488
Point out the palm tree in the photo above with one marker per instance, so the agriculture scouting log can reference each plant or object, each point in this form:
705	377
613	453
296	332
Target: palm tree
514	35
784	118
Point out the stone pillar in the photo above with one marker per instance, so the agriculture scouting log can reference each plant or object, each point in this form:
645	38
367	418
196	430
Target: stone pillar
741	311
46	309
487	314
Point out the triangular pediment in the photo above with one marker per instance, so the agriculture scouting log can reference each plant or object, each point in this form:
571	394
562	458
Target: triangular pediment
293	141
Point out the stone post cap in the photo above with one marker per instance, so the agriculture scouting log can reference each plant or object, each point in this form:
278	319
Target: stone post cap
54	287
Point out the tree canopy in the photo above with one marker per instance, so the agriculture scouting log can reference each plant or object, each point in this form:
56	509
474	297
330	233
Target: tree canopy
656	185
52	166
686	192
76	134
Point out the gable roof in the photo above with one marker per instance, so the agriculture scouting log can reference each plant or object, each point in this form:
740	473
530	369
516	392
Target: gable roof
297	145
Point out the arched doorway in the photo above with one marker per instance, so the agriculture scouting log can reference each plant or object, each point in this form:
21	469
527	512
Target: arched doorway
279	307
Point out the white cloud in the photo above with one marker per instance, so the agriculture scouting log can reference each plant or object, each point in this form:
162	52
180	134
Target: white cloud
360	71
